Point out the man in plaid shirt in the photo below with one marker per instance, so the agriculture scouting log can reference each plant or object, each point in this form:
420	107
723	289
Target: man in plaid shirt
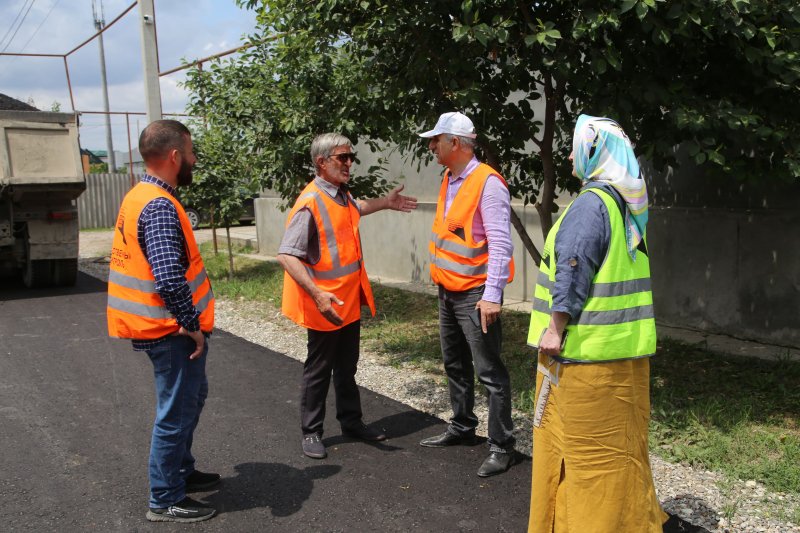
160	298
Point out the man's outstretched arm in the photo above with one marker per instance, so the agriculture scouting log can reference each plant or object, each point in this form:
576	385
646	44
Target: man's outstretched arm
394	200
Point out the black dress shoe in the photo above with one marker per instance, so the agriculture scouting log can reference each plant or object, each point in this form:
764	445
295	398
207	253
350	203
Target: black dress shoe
448	439
496	463
364	432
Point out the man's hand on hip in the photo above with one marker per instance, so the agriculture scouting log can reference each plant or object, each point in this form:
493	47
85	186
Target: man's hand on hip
324	302
199	340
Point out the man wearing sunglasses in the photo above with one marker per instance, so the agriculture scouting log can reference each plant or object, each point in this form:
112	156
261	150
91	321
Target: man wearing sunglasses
325	285
471	262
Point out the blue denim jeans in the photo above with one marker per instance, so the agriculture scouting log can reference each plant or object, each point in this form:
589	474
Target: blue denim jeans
181	391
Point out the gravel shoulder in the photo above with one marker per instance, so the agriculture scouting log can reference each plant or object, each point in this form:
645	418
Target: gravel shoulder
701	497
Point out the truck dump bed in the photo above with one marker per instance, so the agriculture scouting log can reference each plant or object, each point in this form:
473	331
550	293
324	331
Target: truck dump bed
41	176
39	148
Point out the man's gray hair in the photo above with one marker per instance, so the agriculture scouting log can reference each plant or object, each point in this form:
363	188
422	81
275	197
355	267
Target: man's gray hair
465	141
323	145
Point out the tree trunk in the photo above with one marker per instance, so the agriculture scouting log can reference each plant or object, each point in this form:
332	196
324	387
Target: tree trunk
214	232
492	161
546	204
524	237
230	253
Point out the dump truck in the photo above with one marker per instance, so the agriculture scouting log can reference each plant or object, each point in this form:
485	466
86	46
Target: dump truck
41	177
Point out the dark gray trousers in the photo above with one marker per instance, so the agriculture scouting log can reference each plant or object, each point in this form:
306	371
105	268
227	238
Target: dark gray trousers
331	353
466	350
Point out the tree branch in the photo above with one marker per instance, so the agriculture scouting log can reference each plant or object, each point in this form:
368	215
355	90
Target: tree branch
525	238
523	7
493	161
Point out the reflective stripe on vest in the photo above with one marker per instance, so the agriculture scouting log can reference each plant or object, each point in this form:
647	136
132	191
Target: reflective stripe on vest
460	249
340	269
466	270
153	311
146	285
135	309
617	320
457	261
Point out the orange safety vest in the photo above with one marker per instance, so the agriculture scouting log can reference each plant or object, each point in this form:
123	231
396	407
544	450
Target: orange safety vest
135	309
340	269
457	262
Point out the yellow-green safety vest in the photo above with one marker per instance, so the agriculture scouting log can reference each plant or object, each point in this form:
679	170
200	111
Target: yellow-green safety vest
617	321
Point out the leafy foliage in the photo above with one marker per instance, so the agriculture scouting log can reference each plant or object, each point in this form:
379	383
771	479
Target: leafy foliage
268	105
719	77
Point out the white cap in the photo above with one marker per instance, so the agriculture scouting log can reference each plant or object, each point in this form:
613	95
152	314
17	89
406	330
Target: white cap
454	123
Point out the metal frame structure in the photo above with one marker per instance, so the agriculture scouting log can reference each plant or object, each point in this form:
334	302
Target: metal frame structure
126	113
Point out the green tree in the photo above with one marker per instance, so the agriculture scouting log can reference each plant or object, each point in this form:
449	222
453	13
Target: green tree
228	168
271	102
222	180
98	168
718	77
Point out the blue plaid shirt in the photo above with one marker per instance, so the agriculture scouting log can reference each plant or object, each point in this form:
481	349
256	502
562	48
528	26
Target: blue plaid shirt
161	238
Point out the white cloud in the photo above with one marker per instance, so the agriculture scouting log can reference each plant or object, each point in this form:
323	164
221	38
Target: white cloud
187	30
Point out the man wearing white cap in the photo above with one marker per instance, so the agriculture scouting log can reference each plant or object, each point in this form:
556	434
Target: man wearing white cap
471	262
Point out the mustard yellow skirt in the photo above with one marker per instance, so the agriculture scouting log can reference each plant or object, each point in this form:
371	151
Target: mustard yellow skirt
591	468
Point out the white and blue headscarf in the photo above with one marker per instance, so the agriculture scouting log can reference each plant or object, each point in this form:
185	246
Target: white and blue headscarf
602	152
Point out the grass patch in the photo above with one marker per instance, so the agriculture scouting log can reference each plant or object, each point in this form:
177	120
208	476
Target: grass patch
406	329
738	416
731	414
253	280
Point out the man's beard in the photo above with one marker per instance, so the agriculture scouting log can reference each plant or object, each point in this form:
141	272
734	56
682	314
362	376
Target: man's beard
185	174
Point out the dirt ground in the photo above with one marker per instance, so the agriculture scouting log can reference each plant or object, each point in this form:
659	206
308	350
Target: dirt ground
95	243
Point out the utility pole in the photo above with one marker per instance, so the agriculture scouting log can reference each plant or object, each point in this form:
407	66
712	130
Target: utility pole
152	89
99	24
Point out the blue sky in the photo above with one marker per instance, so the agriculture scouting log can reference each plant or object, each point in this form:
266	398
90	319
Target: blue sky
187	29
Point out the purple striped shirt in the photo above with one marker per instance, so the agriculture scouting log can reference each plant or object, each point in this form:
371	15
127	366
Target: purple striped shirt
495	209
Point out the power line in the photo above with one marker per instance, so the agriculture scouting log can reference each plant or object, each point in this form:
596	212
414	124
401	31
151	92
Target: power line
20	25
39	27
15	21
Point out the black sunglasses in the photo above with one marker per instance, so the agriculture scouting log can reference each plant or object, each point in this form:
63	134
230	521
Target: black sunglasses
344	158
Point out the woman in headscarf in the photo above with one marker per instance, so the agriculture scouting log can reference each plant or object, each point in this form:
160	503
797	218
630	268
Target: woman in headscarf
592	322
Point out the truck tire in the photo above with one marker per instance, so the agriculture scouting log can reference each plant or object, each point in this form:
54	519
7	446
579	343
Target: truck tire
194	217
65	272
38	274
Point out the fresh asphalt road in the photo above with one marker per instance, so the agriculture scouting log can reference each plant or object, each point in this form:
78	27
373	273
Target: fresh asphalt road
76	410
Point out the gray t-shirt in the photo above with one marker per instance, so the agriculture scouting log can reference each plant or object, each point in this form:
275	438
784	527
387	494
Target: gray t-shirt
301	239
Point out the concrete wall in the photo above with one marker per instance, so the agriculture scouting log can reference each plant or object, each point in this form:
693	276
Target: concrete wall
396	244
725	255
728	272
